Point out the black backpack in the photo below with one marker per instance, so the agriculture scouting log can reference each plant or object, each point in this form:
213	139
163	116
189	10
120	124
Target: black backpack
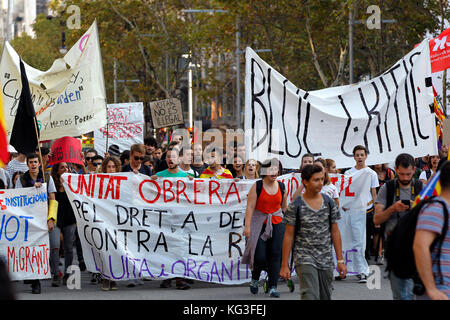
399	245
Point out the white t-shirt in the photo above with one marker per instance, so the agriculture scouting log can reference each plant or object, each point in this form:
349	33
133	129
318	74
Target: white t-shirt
423	175
330	190
374	183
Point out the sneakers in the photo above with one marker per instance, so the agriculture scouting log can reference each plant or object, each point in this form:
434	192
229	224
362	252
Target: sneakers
105	284
181	284
167	283
254	286
362	278
36	287
380	260
273	292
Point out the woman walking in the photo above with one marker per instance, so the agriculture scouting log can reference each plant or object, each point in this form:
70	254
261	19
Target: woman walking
65	225
263	228
110	165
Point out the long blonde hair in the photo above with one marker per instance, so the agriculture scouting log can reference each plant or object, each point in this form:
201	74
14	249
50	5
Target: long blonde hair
257	168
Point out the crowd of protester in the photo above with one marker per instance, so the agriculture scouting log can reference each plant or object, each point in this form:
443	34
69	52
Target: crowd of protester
265	206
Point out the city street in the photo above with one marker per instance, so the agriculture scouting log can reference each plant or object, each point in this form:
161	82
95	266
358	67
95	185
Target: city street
348	289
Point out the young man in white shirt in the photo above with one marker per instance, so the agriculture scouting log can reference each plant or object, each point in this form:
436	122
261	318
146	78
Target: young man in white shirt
362	221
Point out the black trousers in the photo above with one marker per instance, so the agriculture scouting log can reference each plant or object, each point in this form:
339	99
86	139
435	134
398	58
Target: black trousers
268	255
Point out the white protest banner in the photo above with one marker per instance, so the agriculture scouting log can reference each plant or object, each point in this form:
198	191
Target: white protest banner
69	98
24	241
389	114
125	127
166	113
131	226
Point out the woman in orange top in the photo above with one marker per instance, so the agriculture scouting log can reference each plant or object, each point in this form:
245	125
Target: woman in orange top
263	227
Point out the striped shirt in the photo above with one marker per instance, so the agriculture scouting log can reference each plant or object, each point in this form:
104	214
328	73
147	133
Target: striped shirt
14	166
431	218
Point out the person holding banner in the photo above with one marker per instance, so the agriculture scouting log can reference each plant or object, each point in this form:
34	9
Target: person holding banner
111	164
263	227
251	169
215	170
237	168
89	157
137	153
198	165
185	155
34	177
311	225
66	225
362	223
173	171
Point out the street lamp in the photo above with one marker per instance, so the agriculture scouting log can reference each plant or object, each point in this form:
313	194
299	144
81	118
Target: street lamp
190	96
238	59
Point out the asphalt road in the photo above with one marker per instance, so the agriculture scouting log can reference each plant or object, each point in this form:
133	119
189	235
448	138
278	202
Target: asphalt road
348	289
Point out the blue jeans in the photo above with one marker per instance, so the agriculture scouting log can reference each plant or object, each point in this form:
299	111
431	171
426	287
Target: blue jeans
68	233
402	289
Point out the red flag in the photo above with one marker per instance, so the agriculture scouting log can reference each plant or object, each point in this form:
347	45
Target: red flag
440	52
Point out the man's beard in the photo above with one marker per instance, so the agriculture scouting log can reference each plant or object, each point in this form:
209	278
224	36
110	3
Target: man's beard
404	183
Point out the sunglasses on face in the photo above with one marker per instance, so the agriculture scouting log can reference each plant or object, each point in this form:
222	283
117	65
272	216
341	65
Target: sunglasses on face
89	158
136	158
97	164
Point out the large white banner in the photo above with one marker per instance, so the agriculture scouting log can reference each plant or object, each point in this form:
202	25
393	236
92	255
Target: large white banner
131	226
389	114
125	127
69	98
24	241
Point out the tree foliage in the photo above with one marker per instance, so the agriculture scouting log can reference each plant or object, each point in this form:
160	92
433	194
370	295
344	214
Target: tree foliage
155	42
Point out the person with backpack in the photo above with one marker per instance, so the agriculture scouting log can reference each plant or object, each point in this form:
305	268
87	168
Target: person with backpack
432	231
393	202
311	225
263	228
35	177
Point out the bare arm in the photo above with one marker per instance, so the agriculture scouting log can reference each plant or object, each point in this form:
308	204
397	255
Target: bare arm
382	215
251	204
374	194
422	256
284	204
288	240
298	191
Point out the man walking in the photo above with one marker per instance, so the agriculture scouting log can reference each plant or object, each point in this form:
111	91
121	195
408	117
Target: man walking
394	200
361	222
34	177
311	223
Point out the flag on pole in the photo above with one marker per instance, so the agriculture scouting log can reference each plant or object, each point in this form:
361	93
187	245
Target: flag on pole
4	155
24	134
433	188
